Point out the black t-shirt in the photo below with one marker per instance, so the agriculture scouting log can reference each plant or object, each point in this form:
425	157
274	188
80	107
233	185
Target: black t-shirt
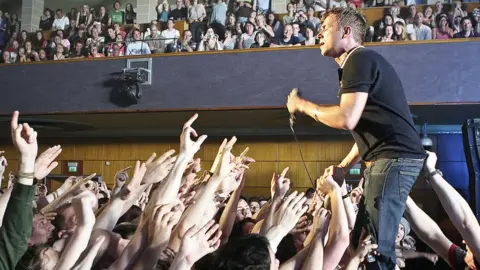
385	129
178	14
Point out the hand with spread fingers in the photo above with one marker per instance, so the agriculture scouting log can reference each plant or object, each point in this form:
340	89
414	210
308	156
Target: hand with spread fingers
290	211
45	163
187	145
198	243
160	226
158	169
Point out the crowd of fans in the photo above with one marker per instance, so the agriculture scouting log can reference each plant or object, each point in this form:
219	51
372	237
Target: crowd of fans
170	213
89	33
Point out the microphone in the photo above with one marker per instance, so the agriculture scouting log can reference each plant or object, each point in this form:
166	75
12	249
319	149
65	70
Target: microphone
292	120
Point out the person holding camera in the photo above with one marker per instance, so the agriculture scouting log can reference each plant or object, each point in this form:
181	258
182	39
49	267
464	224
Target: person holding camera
210	42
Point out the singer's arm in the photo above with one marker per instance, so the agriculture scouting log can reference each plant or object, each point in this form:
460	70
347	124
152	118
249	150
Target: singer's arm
344	116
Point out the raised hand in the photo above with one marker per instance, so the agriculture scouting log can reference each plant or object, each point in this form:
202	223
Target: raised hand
290	211
337	174
121	177
3	164
293	101
198	243
356	195
280	185
45	163
130	190
69	182
430	162
321	222
24	137
227	163
161	224
327	184
158	169
187	145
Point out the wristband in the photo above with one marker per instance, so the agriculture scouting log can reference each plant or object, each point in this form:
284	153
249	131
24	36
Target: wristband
25	175
346	196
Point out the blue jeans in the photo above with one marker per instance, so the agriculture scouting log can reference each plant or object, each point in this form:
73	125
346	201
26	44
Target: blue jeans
386	187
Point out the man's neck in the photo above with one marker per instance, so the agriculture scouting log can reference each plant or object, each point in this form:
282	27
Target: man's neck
341	59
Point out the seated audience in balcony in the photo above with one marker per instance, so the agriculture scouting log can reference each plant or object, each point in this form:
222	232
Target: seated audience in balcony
262	26
260	41
310	39
179	13
476	20
252	18
38	41
111	35
186	44
290	16
338	3
457	25
163	9
72	15
119	31
196	15
457	10
248	38
15	24
428	18
96	39
287	39
156	41
95	52
210	43
312	19
13	49
467	29
412	12
442	29
22	57
274	23
242	10
117	15
387	35
170	34
379	28
118	49
29	51
84	17
46	20
137	47
65	41
219	13
61	22
6	58
230	40
438	9
42	55
59	53
420	31
23	38
296	32
79	51
3	31
104	18
130	14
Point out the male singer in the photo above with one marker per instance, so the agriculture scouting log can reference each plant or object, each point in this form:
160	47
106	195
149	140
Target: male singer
373	107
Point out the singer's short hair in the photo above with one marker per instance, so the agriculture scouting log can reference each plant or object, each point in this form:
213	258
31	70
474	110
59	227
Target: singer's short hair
348	17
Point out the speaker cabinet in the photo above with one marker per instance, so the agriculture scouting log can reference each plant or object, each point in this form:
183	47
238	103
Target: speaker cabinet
471	145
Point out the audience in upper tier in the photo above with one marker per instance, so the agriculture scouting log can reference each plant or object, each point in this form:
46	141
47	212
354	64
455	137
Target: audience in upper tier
170	213
217	26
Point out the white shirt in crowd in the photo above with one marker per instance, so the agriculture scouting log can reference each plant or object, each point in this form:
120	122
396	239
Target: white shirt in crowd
61	24
171	35
137	48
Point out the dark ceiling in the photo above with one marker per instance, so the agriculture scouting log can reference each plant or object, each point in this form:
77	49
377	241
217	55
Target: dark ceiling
441	118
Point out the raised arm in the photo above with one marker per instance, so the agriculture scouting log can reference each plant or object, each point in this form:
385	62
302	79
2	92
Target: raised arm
455	205
17	223
79	240
427	230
